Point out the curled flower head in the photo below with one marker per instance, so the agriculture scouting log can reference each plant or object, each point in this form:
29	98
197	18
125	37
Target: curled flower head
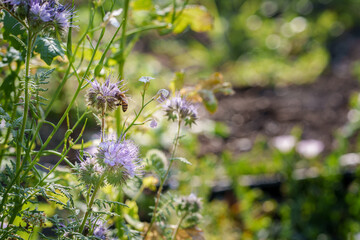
104	97
120	159
39	15
90	170
162	95
179	108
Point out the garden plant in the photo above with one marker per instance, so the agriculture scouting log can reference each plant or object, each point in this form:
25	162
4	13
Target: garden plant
47	51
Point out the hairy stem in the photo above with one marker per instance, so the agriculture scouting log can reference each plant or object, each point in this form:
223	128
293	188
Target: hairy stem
122	60
178	226
163	179
89	207
102	126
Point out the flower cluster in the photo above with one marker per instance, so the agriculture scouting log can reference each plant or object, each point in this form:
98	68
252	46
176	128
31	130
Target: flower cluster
190	206
39	14
189	203
120	158
104	97
179	108
90	170
34	218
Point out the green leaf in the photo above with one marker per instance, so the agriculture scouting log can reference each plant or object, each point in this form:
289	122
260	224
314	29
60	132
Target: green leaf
8	86
209	100
4	115
178	81
48	48
13	28
196	17
184	160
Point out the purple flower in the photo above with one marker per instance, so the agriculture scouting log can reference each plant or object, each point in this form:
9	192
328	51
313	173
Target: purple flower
39	15
100	231
13	2
104	97
120	158
89	169
179	108
153	123
62	19
40	12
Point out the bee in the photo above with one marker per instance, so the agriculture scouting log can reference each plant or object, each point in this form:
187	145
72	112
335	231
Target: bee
122	101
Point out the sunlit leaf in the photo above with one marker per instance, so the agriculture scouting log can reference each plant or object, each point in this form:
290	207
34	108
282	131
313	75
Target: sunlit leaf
184	160
209	100
196	17
48	48
142	4
177	82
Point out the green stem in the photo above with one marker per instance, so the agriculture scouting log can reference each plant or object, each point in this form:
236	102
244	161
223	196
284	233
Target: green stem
21	143
102	126
35	159
174	12
123	39
122	61
139	192
137	115
163	179
178	226
81	81
89	208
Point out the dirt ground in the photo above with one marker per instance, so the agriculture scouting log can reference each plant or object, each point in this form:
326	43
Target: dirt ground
319	108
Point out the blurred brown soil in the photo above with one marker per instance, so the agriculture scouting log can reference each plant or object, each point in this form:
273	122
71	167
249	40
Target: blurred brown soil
319	109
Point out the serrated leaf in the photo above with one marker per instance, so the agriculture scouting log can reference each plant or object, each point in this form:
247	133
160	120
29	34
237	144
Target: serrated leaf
48	48
196	17
109	203
184	160
45	75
